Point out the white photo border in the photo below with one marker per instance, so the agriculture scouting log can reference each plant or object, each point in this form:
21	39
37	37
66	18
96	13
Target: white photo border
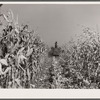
50	93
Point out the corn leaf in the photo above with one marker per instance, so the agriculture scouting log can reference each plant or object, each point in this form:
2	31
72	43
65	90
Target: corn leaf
29	51
4	62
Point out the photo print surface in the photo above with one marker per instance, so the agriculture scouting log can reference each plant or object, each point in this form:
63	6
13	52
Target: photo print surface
49	46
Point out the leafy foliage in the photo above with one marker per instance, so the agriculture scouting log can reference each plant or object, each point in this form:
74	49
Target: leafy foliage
20	52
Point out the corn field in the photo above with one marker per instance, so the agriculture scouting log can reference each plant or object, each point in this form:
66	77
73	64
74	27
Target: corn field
27	62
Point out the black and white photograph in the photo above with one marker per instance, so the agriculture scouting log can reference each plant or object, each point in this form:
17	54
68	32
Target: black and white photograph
49	46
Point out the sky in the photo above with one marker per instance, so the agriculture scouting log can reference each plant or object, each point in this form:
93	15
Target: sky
56	22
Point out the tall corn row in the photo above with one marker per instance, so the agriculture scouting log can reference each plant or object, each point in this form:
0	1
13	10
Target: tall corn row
22	53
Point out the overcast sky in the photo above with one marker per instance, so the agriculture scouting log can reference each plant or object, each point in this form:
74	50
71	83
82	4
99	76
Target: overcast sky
56	22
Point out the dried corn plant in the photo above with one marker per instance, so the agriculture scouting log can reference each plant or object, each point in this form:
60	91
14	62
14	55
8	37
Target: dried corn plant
21	51
81	65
